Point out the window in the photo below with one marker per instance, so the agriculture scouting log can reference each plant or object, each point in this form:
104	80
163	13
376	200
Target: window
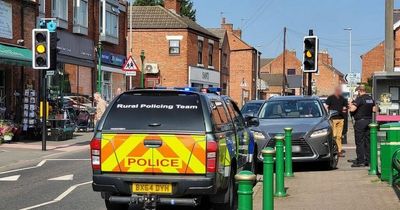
111	24
210	54
235	114
220	117
60	9
109	21
174	47
168	111
107	86
81	13
200	52
291	72
225	60
291	109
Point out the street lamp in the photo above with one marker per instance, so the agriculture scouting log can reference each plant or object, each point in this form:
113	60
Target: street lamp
142	57
99	55
350	70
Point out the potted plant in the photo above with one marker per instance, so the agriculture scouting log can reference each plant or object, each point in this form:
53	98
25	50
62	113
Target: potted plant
8	136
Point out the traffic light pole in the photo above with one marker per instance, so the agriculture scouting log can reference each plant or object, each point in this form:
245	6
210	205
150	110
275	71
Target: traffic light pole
44	109
309	80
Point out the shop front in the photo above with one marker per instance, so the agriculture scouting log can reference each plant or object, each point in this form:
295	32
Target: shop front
203	78
18	82
112	75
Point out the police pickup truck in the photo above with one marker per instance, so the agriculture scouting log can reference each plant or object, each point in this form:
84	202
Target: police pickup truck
170	147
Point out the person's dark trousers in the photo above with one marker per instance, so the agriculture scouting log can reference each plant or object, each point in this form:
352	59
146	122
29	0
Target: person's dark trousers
361	130
345	128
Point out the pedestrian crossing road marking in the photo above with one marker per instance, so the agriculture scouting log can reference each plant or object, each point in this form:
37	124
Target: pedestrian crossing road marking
10	178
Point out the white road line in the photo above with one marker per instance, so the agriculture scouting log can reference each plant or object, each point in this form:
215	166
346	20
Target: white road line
59	198
349	147
41	163
10	178
68	177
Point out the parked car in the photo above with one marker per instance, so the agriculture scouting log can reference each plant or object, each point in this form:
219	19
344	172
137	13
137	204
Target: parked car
79	103
312	131
252	107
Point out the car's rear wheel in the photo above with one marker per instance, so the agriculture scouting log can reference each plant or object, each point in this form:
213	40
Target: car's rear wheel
116	206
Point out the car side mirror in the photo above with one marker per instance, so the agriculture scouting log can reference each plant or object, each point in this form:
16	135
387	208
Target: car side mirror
252	121
333	113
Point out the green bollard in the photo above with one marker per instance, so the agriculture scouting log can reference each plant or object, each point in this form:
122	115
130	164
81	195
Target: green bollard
288	152
246	180
279	171
373	162
268	178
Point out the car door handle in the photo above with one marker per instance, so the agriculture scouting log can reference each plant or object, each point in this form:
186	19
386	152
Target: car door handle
153	143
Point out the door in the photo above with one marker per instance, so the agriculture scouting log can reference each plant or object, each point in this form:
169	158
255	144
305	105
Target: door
242	136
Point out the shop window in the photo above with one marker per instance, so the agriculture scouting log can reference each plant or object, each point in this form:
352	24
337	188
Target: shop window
291	72
174	47
60	11
81	16
200	52
107	86
210	55
109	24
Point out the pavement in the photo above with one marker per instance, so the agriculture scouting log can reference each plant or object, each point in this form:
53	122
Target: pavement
346	188
60	178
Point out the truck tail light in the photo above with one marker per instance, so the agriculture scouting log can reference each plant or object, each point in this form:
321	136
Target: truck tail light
212	148
95	147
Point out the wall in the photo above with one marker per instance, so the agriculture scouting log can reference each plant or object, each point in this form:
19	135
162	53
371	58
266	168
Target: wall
372	61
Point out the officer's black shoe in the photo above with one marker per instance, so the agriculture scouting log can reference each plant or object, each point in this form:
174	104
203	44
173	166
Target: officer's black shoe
356	165
351	161
366	164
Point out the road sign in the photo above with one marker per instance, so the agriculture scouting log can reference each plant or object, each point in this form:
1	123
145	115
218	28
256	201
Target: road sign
50	73
352	78
130	65
130	73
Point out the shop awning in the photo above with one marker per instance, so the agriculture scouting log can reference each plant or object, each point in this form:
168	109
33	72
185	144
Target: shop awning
17	56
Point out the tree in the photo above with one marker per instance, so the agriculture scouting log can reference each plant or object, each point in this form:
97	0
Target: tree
186	6
187	9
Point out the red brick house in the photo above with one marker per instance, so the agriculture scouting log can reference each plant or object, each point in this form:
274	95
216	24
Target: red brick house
83	23
16	74
328	77
272	73
180	52
374	59
243	64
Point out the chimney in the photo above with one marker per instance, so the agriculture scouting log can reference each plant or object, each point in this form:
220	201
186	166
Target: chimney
324	57
173	5
226	26
238	32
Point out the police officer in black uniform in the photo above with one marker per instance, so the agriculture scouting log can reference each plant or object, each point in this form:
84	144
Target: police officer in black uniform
361	109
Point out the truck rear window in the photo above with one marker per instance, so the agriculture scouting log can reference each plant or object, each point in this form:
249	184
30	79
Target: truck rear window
148	111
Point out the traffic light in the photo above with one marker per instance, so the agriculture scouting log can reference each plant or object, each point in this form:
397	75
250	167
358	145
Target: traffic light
53	50
310	54
41	49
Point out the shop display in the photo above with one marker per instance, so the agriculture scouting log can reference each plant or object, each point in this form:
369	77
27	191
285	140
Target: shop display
30	110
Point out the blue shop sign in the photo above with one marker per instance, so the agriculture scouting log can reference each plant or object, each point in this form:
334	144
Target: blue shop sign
113	59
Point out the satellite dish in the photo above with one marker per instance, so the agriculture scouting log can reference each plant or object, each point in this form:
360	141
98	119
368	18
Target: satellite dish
52	26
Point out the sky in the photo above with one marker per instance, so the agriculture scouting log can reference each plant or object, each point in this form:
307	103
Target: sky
262	22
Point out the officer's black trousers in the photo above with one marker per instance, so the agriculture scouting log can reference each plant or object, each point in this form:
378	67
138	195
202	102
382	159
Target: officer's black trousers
361	130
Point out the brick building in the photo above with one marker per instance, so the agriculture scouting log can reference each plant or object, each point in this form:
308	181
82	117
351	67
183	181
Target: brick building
17	20
328	77
374	60
81	26
243	63
272	73
178	52
224	57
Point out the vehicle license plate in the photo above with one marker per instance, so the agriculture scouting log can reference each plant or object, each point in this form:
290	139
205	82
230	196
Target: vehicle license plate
146	188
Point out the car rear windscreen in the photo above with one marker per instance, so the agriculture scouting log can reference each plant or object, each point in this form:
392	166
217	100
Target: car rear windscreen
160	111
